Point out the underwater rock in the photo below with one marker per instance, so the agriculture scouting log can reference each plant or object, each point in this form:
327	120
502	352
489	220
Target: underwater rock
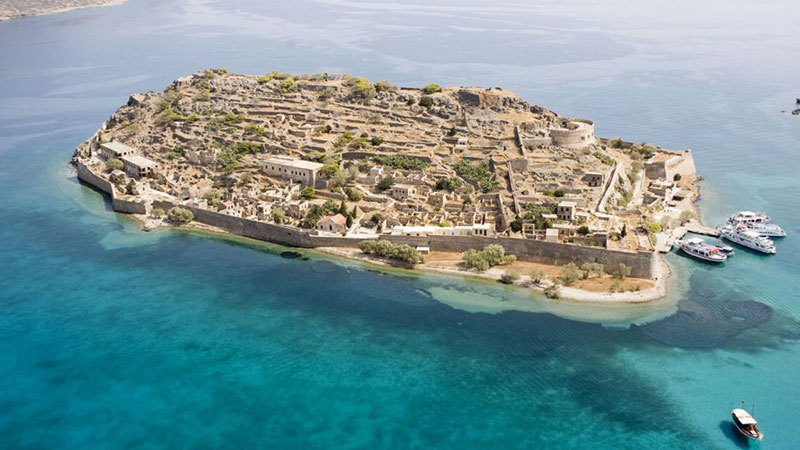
290	255
699	326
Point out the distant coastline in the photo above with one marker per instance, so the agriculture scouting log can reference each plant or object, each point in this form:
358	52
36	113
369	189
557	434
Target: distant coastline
15	9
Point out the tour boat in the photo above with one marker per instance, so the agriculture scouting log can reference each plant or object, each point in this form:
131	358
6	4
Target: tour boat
746	424
767	229
747	218
699	249
747	238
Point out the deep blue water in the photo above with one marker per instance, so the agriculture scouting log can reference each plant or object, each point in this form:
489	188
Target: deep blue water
115	338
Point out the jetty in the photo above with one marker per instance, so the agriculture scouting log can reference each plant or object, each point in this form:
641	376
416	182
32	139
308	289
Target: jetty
666	241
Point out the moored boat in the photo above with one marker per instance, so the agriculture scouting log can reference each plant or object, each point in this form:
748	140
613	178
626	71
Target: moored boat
725	249
747	238
747	218
699	249
767	229
746	424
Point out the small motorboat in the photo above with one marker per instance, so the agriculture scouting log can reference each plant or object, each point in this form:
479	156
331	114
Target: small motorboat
725	249
746	424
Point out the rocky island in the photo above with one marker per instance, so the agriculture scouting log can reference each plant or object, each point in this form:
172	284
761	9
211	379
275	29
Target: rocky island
460	179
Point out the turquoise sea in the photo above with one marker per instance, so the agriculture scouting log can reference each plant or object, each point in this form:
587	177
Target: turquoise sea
115	338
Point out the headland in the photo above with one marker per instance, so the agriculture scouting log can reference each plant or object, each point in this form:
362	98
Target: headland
11	9
464	180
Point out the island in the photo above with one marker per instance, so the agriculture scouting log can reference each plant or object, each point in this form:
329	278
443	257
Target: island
11	9
465	180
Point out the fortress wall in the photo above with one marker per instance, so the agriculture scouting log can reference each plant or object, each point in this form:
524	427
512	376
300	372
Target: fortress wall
579	137
128	207
642	264
682	163
88	177
279	234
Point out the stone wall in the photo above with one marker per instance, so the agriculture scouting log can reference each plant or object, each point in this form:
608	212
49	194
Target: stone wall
642	264
681	163
578	134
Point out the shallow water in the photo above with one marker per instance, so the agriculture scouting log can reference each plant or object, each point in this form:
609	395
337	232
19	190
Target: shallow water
116	338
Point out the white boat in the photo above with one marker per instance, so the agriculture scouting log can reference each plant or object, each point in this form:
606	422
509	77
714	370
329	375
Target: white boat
698	248
748	238
747	218
767	229
746	424
725	249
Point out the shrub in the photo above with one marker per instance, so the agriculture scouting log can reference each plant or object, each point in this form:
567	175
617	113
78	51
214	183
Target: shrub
622	271
307	192
157	213
426	101
385	183
448	184
432	88
361	88
570	274
278	214
255	130
213	197
590	269
377	218
387	250
537	275
616	143
354	195
402	162
376	141
583	230
478	174
490	256
287	84
605	159
384	86
677	177
114	164
179	215
510	276
552	292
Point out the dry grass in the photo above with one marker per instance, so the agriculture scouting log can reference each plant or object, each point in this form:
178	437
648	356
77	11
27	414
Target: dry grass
447	260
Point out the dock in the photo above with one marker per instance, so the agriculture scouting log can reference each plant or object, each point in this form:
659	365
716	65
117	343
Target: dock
664	242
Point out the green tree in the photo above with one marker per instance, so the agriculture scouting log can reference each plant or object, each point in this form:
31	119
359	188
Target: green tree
448	184
307	193
157	213
278	214
510	277
114	164
583	230
385	183
570	274
622	271
213	197
179	215
349	221
537	275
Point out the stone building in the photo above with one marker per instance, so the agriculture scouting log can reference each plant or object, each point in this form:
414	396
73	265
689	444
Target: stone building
593	179
304	172
403	191
566	211
138	166
333	224
115	150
